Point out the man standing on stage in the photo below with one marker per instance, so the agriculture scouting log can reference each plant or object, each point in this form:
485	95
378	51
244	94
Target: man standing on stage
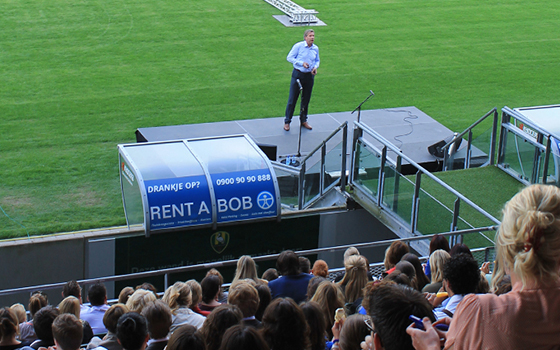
305	58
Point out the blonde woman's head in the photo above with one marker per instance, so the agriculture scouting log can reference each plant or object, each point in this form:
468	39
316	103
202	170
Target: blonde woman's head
437	260
528	240
178	295
246	268
355	277
19	309
139	299
70	305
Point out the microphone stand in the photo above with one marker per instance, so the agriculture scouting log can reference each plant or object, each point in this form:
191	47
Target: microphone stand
359	108
290	159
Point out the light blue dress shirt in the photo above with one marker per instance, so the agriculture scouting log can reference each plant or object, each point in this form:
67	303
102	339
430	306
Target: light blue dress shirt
449	304
300	53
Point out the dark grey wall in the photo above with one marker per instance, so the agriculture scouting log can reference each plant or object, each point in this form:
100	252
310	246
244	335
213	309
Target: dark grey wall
26	264
57	259
356	226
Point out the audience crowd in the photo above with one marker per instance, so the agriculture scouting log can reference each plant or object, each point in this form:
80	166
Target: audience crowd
445	304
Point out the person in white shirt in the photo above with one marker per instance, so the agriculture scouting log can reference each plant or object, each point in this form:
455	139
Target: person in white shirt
97	296
461	276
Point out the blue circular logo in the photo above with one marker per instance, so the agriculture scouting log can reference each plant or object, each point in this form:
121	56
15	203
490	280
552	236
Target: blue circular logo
265	200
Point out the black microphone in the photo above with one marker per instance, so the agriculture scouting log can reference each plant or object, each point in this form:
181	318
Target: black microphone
299	83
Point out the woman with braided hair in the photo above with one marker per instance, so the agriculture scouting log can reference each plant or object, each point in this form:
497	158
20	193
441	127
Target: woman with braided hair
528	317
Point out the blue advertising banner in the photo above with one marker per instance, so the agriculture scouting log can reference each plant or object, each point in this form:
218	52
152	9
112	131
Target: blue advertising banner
178	202
245	195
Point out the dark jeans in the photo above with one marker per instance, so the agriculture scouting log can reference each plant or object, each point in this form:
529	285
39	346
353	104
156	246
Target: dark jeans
306	80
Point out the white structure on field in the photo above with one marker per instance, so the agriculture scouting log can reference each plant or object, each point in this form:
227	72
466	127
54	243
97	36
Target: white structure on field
297	14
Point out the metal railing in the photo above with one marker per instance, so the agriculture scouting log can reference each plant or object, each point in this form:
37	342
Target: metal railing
450	150
376	269
166	273
420	203
525	150
327	170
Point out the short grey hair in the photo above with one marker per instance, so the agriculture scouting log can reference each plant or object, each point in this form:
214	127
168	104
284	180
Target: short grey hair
307	32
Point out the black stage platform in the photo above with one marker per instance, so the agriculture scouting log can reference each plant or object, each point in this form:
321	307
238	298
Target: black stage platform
408	128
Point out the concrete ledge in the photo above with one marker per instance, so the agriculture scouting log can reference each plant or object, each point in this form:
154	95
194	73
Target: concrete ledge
57	237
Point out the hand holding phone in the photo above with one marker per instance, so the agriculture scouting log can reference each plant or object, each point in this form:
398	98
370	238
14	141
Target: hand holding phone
418	323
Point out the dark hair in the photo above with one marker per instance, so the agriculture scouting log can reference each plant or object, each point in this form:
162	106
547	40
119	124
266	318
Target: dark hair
72	288
148	286
462	273
112	315
316	322
421	277
217	322
132	331
42	323
97	294
270	274
439	242
460	248
246	297
399	277
288	263
210	287
37	301
8	323
394	253
284	326
264	300
389	306
158	316
304	264
214	272
408	269
68	331
313	285
186	338
243	338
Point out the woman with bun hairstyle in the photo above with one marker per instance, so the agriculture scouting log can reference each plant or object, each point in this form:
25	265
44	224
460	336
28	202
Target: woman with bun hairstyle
9	331
132	331
179	297
37	301
528	317
354	280
421	278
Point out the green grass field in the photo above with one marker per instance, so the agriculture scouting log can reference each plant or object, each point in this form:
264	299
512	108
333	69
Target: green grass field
78	77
